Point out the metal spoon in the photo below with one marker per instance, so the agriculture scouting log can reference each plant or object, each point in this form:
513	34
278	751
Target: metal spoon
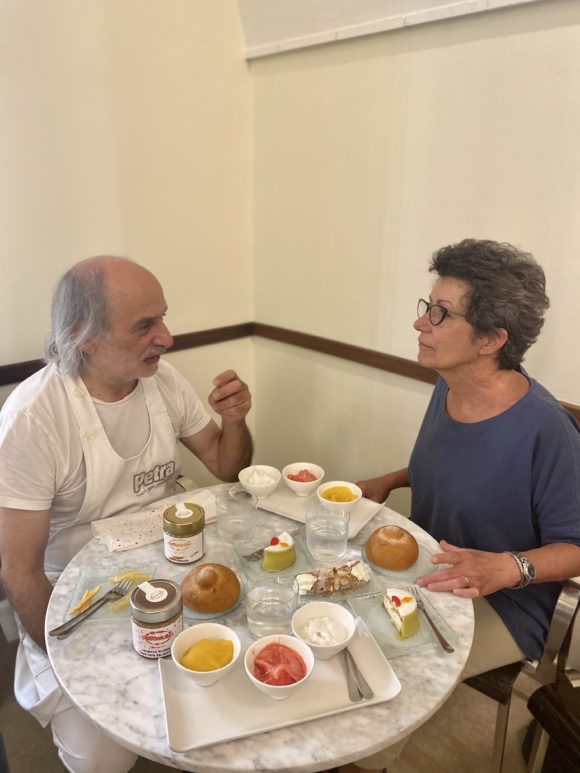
354	692
363	686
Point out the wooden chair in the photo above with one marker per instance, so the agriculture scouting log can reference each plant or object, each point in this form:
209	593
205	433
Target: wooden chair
498	683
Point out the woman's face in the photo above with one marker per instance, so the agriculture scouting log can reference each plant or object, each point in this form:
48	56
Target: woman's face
451	345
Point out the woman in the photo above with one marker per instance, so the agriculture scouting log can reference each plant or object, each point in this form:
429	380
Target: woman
495	471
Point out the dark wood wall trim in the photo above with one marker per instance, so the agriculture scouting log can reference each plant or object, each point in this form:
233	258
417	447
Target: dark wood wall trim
18	371
13	374
370	357
214	336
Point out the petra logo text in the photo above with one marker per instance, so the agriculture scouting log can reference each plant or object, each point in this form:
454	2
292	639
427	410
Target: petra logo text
143	481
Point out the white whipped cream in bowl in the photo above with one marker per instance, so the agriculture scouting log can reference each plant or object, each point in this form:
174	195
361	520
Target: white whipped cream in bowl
260	479
327	627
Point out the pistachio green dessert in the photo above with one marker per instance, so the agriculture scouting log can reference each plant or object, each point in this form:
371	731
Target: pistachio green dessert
279	554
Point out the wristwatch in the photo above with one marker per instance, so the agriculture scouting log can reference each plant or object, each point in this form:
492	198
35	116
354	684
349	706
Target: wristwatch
527	569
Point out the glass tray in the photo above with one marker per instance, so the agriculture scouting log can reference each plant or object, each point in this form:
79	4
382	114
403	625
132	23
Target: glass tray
372	611
254	573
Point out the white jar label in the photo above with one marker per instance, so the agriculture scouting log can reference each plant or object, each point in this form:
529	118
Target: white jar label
155	642
183	550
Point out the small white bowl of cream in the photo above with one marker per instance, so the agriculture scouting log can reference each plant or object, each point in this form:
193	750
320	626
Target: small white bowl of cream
259	479
326	627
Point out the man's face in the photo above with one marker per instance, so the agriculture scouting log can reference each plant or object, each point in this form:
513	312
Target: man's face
138	335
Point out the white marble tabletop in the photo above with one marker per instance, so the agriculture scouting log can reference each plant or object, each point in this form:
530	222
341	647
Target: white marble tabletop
121	692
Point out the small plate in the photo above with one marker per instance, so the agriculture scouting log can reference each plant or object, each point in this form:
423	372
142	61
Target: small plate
421	566
215	553
372	611
89	579
191	614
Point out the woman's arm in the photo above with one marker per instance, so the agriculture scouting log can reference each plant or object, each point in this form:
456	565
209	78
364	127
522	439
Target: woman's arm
489	572
378	489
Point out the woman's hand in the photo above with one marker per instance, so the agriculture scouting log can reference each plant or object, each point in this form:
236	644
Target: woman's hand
471	573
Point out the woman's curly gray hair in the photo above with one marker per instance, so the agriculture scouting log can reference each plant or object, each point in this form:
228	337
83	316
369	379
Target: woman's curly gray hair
507	290
79	313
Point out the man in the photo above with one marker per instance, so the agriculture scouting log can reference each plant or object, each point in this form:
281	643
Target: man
93	434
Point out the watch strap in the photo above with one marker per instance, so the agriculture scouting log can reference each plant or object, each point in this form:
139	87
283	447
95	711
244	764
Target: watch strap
527	569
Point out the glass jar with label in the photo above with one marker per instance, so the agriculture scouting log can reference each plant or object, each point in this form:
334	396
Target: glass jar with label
183	535
156	617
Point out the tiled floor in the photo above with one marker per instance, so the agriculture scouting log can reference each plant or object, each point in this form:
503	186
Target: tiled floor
455	740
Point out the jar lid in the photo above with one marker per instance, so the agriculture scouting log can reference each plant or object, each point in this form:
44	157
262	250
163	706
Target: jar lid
183	520
156	601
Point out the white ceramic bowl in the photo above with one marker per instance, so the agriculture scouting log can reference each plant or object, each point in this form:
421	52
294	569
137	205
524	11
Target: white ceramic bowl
283	691
259	490
323	609
189	636
346	506
306	488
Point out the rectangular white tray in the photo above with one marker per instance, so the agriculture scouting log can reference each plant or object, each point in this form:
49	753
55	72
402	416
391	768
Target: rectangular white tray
234	708
285	502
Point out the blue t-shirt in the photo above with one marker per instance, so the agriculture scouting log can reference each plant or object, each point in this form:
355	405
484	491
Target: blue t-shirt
511	482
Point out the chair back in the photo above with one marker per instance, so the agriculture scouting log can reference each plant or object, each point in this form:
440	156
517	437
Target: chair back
553	662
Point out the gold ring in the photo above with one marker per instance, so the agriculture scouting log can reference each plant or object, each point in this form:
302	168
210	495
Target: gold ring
463	577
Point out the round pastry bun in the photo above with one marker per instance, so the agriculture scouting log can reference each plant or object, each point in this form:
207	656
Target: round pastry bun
392	548
210	588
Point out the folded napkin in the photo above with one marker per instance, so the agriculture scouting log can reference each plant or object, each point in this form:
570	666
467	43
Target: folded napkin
123	532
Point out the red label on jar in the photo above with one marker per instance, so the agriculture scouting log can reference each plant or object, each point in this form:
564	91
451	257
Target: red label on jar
156	642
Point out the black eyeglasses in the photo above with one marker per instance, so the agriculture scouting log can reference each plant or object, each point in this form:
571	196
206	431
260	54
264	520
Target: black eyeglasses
437	313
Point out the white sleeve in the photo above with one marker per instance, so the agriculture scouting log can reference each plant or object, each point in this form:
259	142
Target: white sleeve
27	463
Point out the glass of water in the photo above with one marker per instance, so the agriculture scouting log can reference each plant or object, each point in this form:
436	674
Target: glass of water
326	533
270	606
236	515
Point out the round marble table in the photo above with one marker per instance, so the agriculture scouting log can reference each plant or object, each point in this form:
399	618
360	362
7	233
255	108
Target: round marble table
120	692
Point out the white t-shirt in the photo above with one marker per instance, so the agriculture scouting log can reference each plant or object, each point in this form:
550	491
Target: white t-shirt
41	457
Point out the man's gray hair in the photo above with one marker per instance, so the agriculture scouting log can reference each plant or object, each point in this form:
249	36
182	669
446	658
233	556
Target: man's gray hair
79	313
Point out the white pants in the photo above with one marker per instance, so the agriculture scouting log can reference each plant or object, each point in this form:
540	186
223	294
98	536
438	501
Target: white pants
81	747
84	749
493	646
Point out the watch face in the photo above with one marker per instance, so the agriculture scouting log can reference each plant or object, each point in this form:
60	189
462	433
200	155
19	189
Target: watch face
530	569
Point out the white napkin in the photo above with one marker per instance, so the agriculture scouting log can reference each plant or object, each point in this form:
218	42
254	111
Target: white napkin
123	532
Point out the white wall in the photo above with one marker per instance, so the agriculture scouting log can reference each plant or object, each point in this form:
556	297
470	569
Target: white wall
125	129
370	154
271	26
200	366
130	129
356	422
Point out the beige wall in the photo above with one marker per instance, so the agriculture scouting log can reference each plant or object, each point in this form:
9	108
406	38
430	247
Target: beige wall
331	172
371	153
125	129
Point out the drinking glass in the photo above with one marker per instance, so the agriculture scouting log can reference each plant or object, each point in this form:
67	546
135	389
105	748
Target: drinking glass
326	533
270	606
236	515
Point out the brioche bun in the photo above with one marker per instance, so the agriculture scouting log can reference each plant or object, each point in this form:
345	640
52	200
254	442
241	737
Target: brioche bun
210	588
392	548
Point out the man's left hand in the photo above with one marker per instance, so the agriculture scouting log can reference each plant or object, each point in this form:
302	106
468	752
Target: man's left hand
230	397
471	573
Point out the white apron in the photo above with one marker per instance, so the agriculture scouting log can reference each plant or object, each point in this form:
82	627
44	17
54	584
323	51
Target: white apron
114	485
